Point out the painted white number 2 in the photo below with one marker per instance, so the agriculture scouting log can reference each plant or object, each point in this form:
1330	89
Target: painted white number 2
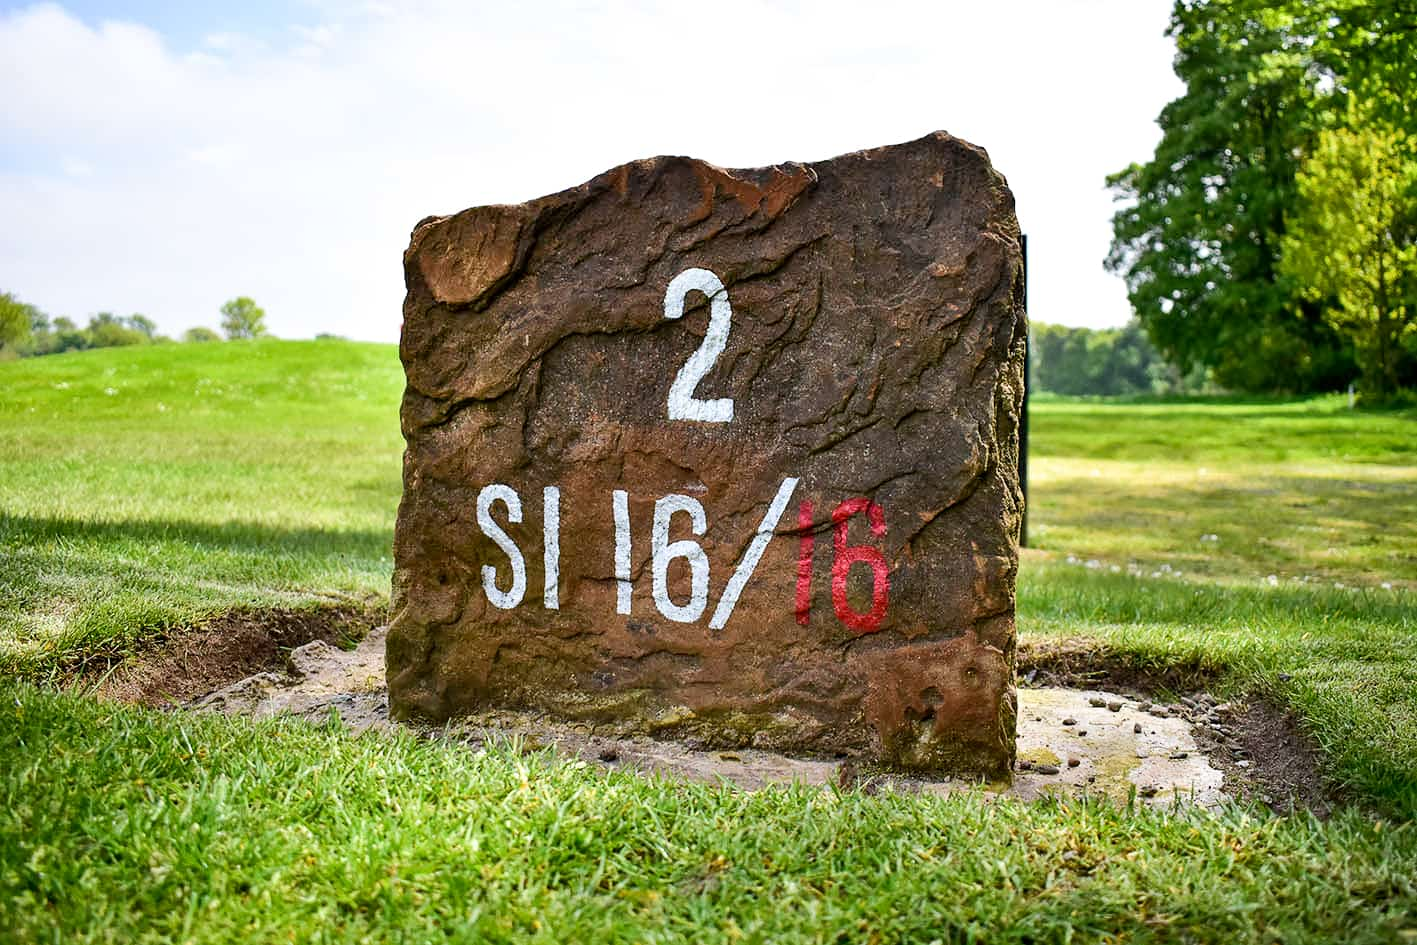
683	405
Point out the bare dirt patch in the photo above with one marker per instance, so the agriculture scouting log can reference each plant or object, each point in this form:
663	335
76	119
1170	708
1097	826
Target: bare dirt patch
289	662
184	664
1071	741
1262	750
1284	769
1082	662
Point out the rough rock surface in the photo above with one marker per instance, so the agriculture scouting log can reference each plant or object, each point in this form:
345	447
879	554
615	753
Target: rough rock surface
823	360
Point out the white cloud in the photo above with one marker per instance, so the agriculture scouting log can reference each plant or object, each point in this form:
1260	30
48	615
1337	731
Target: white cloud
293	174
75	167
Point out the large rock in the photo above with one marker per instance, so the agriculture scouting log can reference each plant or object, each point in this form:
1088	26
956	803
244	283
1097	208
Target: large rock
787	517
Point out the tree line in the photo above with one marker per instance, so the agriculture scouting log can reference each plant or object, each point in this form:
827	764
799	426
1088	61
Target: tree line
1106	362
26	331
1271	239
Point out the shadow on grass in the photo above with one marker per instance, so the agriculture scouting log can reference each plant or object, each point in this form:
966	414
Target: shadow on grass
239	537
1350	529
1225	622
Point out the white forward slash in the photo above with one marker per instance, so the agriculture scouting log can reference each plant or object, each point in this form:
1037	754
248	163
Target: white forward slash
752	556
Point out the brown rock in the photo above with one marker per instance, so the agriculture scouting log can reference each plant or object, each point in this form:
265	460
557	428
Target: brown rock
850	444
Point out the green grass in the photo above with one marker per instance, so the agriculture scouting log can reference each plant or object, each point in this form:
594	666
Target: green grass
1305	490
146	487
267	474
125	826
1258	539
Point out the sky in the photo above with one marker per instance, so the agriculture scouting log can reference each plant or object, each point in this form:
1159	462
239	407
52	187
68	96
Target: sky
163	157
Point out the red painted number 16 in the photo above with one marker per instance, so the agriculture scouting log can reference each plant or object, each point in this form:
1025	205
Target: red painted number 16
843	557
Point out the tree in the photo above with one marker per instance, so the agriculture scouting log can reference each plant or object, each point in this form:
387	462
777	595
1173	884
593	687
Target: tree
1101	362
200	334
142	323
1198	237
67	337
16	321
107	330
1353	237
243	318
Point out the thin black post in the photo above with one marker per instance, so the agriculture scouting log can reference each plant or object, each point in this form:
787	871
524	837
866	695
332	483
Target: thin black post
1023	418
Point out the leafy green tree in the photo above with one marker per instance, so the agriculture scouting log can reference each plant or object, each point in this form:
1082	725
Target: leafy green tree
1199	232
68	337
143	324
199	335
106	330
1368	48
1353	237
1105	362
243	318
16	325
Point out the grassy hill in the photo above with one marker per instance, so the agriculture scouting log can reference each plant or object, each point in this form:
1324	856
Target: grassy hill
1272	543
146	487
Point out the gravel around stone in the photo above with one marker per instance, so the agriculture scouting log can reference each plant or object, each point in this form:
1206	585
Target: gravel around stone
1121	753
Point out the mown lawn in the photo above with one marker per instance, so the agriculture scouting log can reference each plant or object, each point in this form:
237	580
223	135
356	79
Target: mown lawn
145	488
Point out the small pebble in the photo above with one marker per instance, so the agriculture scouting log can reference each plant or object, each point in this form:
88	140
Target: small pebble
1074	762
1097	702
1148	791
1145	706
1243	763
609	755
1070	721
1025	765
1285	677
1091	778
1180	755
1046	769
1114	707
1136	728
1082	731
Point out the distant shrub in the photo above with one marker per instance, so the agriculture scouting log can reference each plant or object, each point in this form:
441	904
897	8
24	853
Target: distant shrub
107	330
200	335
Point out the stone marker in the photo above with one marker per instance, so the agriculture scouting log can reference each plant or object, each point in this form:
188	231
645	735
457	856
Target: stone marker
721	454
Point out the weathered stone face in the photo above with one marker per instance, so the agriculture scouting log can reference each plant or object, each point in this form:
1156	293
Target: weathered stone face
723	454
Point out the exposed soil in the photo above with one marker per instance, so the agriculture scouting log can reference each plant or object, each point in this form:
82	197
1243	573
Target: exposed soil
1261	748
1070	741
1285	763
1081	662
183	664
246	657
